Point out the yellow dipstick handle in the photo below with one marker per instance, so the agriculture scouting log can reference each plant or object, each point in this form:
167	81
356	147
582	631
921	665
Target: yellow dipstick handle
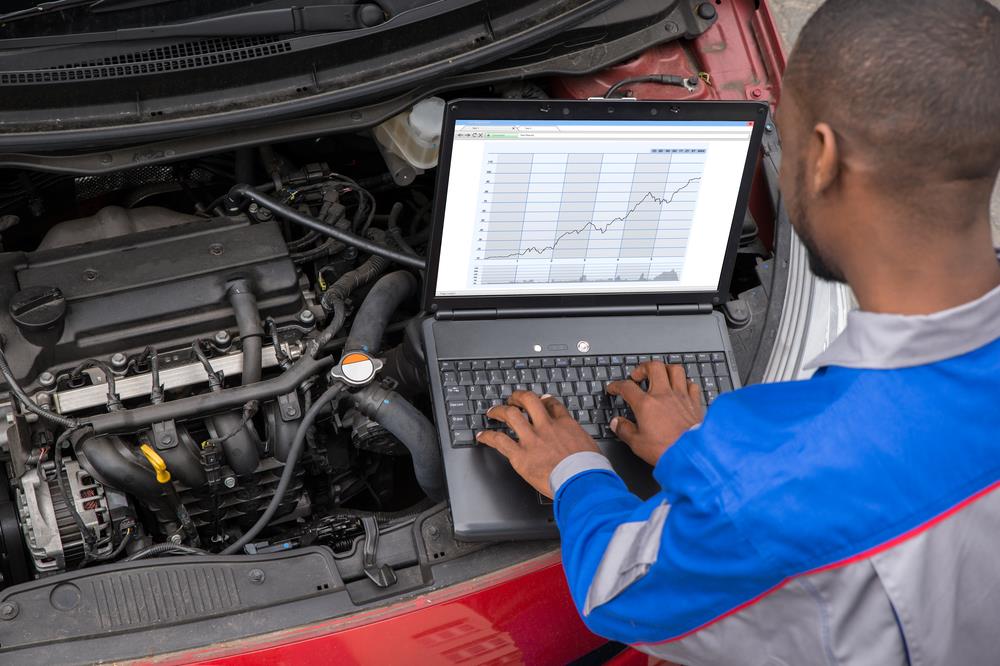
159	465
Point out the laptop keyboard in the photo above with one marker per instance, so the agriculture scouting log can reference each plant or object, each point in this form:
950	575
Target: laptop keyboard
472	387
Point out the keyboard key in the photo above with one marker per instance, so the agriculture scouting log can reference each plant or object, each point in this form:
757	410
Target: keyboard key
562	362
526	376
617	360
596	387
711	396
565	389
572	403
587	374
458	407
520	387
590	360
557	375
478	365
534	362
725	384
704	358
455	393
491	392
463	438
674	359
583	417
496	377
541	375
708	383
706	369
581	388
551	388
645	358
572	374
506	363
476	392
691	369
447	366
537	388
600	416
465	378
481	377
492	364
510	377
457	422
602	400
592	429
576	361
690	358
718	357
659	358
587	402
449	378
720	369
616	373
548	363
631	361
520	363
603	360
477	422
506	391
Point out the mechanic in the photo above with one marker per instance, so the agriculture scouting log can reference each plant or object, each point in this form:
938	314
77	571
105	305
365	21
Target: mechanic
854	517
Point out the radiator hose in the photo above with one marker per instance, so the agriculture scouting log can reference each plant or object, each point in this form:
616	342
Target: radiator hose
405	422
384	406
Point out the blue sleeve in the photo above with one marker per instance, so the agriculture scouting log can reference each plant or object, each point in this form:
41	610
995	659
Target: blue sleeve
648	571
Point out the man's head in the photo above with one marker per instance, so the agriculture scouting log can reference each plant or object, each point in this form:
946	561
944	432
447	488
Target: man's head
888	105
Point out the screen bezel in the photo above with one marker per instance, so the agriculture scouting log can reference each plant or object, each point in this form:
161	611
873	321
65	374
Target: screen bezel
527	110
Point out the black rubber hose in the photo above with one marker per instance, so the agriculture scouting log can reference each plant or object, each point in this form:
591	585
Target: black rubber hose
334	299
407	424
241	192
288	472
27	402
380	304
244	304
130	420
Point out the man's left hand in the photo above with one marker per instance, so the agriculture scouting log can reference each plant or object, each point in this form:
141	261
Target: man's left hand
545	440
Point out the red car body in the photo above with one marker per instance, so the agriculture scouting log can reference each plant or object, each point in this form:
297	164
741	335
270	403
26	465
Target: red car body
523	613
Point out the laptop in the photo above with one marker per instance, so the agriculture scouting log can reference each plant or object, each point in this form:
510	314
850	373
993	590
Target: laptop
571	241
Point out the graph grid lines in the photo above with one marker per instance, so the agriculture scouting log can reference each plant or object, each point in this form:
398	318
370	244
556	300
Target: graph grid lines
585	217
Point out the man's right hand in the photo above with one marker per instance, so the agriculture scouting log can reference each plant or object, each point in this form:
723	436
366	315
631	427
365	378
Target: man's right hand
670	407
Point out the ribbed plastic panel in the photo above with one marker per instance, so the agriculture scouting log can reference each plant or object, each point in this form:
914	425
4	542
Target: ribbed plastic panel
149	597
174	57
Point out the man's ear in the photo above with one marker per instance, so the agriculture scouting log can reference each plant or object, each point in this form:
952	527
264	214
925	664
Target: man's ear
824	158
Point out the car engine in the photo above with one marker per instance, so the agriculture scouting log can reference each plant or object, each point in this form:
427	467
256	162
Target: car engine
206	339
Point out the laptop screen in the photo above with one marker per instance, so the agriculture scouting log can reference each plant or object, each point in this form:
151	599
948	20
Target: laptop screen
569	207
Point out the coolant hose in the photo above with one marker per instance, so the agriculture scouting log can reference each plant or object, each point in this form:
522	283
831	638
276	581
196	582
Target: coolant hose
405	422
373	316
244	305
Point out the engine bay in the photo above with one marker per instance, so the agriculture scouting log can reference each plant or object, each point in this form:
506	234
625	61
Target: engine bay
173	346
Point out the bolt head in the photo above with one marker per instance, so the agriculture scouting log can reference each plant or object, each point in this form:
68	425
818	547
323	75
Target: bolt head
46	379
8	611
229	482
253	207
176	538
256	575
223	338
118	360
167	439
307	317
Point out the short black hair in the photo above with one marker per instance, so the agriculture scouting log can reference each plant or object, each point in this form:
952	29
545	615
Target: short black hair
913	84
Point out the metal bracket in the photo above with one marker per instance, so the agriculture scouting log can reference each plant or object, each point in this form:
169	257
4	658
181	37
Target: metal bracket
381	575
165	435
289	407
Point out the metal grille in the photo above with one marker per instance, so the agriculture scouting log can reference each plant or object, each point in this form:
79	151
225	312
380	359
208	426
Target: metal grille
170	58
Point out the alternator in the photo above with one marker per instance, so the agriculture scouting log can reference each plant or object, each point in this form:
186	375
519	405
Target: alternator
53	537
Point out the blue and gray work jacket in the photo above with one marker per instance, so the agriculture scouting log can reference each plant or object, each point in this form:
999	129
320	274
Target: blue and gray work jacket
853	518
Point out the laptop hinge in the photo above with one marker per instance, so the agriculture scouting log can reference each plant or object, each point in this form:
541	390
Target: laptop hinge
684	308
468	313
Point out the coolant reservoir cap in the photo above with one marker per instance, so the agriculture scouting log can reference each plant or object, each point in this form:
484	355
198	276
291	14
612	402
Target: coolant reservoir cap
37	308
356	368
426	118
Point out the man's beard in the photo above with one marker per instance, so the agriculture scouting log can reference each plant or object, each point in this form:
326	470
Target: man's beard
818	264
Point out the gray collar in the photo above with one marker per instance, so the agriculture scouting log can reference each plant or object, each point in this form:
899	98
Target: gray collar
886	341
